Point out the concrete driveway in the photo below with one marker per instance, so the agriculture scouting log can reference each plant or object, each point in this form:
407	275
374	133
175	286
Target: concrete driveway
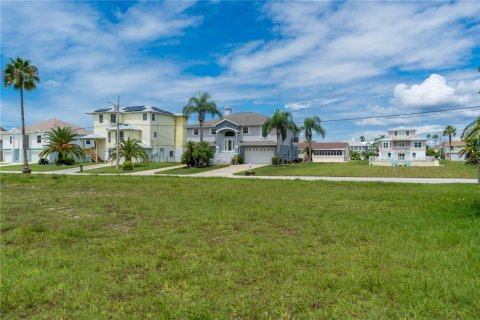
227	171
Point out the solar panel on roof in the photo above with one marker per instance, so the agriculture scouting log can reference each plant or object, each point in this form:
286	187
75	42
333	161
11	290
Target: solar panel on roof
161	110
102	110
134	108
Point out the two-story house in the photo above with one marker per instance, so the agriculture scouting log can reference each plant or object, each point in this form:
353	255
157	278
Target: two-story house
452	151
161	133
12	147
241	133
403	148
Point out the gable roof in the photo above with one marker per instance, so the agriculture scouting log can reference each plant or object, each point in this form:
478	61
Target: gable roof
455	143
129	109
240	118
47	125
324	145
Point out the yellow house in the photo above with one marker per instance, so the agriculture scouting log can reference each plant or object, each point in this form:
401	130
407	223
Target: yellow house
161	133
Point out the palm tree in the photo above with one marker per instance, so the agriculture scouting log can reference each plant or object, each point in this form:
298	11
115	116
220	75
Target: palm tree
428	138
201	105
362	139
472	152
281	121
130	149
472	130
311	125
435	138
62	142
450	131
23	76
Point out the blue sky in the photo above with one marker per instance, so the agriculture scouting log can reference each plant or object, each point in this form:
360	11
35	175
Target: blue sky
330	59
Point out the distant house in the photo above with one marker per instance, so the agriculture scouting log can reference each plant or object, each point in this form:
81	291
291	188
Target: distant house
403	148
12	148
241	133
360	147
326	151
452	152
161	133
2	132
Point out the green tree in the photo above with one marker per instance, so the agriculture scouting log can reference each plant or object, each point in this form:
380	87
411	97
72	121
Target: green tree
450	131
23	76
472	152
281	121
203	106
428	137
311	125
435	138
130	149
61	141
472	130
362	139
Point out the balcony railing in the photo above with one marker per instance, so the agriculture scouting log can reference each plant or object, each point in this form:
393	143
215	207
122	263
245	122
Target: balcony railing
401	148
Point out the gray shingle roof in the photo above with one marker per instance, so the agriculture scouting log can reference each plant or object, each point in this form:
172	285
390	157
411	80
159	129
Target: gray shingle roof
47	125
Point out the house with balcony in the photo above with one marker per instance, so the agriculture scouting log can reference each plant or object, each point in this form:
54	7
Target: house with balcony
161	133
402	148
12	146
241	133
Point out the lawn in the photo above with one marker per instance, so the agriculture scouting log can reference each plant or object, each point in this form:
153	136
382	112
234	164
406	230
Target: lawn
137	167
190	170
451	169
43	168
126	247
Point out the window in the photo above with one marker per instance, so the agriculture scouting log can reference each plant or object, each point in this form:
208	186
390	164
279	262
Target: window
245	130
153	116
414	155
39	139
195	132
122	136
213	131
100	118
11	139
418	144
113	118
408	133
389	155
145	117
87	142
171	153
109	137
386	145
155	134
396	133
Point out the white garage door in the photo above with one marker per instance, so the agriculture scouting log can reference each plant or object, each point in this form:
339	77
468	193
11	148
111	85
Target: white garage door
259	155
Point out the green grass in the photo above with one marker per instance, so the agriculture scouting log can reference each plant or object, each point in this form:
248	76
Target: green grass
451	169
43	168
137	167
191	170
126	247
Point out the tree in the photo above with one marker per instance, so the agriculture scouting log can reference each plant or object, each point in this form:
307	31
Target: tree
450	131
23	76
62	142
197	154
281	121
435	138
201	105
472	152
472	130
362	139
428	138
130	149
311	125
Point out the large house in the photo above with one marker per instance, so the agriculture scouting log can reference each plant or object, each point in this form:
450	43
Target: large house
12	148
241	133
403	148
326	151
452	152
161	133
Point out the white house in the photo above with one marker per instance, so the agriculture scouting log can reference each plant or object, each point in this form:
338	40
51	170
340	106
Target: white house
161	133
12	148
241	133
452	152
326	151
402	148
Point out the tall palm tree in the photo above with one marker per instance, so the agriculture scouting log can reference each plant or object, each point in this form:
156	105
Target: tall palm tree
472	130
311	125
130	149
23	76
450	131
362	139
201	105
435	138
61	141
428	138
281	121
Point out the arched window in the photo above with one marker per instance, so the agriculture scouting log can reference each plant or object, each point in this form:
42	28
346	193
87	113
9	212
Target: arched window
229	134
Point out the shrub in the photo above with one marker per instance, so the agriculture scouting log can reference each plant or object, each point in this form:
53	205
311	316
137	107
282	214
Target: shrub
240	159
43	161
354	155
276	160
69	161
127	166
197	154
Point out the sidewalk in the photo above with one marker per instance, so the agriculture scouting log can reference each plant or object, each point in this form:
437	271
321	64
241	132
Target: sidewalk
152	172
85	168
227	171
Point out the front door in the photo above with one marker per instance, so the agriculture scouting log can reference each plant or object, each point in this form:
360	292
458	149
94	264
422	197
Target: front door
229	144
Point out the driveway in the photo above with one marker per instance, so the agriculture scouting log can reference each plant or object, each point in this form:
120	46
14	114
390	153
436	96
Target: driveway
227	171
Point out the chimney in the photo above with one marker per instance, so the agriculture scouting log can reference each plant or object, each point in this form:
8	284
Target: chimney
228	111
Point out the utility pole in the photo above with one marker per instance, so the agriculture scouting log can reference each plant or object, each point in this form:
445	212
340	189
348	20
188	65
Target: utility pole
117	109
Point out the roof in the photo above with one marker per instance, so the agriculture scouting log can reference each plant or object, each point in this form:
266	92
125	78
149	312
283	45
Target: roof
133	109
48	125
324	145
259	143
93	136
455	143
240	118
403	128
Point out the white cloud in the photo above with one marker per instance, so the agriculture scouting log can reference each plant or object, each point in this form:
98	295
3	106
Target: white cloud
311	103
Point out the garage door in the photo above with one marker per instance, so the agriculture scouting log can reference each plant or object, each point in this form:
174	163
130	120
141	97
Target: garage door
258	155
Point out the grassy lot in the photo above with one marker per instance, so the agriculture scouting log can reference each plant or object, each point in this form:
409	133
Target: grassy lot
191	170
43	168
137	167
93	247
451	169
